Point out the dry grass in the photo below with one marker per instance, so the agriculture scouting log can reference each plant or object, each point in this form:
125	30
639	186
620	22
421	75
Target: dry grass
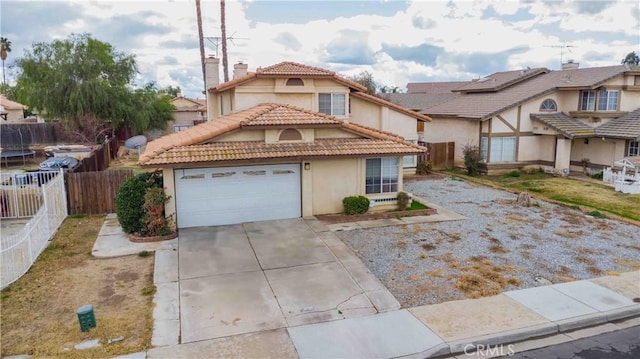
428	247
483	278
401	244
633	265
496	248
436	273
38	310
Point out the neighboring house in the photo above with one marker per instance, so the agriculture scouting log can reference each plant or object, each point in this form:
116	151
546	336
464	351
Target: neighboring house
311	88
273	161
536	117
188	112
11	111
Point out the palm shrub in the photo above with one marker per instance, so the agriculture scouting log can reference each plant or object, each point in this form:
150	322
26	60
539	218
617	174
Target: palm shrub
130	200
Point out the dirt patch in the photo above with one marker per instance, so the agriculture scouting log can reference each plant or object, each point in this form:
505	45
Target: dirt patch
38	310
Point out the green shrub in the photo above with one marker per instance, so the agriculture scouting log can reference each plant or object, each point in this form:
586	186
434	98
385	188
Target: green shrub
403	201
355	204
424	167
130	200
597	214
597	175
514	173
472	158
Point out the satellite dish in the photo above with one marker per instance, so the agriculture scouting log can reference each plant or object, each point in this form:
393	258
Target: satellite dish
135	142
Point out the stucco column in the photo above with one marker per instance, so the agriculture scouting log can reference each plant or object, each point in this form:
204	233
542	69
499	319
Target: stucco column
168	181
307	188
563	153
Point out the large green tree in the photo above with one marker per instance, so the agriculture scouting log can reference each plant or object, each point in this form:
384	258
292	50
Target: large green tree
631	59
365	78
87	87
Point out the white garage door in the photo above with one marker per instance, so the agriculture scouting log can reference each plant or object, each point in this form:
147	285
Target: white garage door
227	195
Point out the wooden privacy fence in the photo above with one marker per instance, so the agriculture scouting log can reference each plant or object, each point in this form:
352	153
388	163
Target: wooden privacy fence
440	154
94	192
20	135
100	158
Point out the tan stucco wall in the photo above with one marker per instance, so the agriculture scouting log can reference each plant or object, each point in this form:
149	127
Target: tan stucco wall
332	180
333	133
14	115
462	132
373	115
536	148
598	152
170	190
244	135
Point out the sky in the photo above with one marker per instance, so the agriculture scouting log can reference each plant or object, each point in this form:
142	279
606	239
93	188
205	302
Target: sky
397	41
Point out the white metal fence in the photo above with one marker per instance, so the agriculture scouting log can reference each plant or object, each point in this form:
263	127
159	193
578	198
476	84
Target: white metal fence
611	176
40	197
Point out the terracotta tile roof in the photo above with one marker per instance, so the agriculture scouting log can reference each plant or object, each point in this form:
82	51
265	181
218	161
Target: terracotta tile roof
268	114
258	150
627	127
500	80
434	87
484	105
565	124
391	105
288	69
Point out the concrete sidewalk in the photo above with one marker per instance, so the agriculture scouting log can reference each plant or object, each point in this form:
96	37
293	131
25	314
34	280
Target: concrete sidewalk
555	313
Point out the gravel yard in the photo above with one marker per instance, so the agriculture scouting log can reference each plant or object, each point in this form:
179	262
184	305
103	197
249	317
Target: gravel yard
499	247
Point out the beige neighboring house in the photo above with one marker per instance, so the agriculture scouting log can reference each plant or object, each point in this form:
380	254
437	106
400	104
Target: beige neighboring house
559	120
275	160
188	112
11	111
314	89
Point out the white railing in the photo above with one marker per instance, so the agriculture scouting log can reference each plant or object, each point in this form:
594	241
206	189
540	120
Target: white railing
18	251
611	176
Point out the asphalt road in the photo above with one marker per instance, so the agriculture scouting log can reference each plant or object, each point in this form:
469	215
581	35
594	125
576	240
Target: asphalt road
621	344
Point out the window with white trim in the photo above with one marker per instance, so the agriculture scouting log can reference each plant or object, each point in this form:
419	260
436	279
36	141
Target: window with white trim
503	149
484	147
588	100
381	175
548	105
333	104
634	148
608	100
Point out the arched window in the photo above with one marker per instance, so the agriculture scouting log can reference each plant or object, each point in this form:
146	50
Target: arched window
548	105
295	81
290	134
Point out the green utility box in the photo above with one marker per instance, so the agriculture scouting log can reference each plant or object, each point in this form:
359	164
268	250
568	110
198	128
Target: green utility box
86	317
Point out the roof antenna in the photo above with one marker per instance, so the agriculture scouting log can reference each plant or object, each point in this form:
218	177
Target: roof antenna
562	47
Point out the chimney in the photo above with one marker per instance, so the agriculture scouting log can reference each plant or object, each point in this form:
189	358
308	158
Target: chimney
570	65
212	71
239	70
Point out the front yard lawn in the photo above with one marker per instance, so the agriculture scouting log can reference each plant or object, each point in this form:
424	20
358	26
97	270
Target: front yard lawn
39	309
591	196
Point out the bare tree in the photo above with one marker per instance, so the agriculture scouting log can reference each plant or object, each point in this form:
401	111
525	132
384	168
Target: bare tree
223	28
201	39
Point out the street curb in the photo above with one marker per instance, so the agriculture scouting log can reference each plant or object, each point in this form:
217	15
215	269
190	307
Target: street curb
537	331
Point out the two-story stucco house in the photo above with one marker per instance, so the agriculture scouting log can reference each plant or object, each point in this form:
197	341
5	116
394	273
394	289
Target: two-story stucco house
557	119
285	141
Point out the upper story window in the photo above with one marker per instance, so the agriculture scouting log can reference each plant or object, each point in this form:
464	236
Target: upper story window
333	104
588	101
606	100
548	105
295	81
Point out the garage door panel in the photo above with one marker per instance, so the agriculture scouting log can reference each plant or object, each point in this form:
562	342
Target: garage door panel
226	195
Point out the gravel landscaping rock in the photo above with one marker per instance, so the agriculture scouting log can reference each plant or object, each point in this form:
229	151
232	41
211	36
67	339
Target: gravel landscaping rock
499	247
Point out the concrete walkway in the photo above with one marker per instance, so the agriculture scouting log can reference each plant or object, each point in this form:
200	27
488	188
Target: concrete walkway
532	318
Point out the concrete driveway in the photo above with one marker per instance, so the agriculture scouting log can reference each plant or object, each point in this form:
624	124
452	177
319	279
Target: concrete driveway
266	275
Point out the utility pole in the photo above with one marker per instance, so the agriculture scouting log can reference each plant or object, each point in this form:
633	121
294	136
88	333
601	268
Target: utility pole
201	39
223	28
